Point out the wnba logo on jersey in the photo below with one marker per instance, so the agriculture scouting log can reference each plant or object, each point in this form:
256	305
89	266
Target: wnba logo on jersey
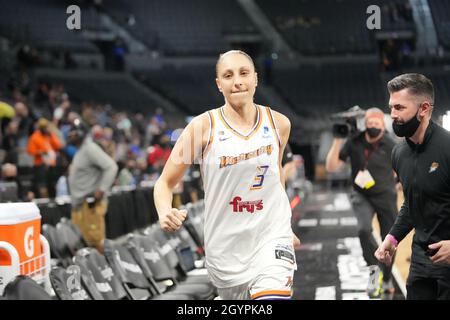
249	206
266	133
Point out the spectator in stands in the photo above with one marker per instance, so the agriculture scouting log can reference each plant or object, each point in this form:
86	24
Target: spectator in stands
10	142
8	176
159	153
87	114
66	125
158	117
9	171
55	96
121	150
101	115
374	186
142	169
43	145
6	114
41	98
124	124
26	122
139	123
61	110
135	147
26	119
108	143
62	185
153	129
91	174
97	134
126	174
247	212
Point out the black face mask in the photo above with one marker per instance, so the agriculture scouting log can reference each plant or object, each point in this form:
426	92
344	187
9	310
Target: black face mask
408	128
373	132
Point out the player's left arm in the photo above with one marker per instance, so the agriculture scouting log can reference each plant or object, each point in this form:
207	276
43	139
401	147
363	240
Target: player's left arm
284	129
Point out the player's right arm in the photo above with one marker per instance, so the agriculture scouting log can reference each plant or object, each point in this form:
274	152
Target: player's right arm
188	147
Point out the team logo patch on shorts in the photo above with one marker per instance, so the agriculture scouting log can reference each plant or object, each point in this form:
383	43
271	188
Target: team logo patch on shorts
284	253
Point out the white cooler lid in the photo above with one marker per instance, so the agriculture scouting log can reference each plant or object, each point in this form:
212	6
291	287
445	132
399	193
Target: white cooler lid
18	212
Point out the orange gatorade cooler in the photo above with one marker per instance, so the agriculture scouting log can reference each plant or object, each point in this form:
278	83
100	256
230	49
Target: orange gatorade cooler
20	228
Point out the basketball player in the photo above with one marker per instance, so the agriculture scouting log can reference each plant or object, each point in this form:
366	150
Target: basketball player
248	236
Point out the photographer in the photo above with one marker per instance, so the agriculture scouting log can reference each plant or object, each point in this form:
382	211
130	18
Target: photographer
374	185
91	174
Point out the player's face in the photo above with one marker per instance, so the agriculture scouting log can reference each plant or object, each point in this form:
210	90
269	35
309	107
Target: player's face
375	122
236	79
403	106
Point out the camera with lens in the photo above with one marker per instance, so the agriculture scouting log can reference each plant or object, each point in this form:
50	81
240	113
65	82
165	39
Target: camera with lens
346	124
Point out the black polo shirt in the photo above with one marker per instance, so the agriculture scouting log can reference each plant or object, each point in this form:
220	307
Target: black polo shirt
424	171
374	157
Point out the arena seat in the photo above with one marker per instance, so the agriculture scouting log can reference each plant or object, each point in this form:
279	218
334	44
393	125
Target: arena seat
71	235
66	284
170	252
153	255
104	276
138	286
25	288
59	251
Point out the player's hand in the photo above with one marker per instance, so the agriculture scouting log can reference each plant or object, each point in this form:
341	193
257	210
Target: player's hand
172	220
442	254
98	195
385	252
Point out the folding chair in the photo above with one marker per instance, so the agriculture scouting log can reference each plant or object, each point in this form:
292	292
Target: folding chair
170	247
153	254
138	283
59	251
106	280
71	235
25	288
67	283
97	290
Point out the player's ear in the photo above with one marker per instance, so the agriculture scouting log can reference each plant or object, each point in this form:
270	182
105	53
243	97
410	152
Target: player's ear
256	79
218	85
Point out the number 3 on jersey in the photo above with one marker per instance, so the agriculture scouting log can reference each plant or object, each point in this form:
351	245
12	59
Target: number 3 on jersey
259	178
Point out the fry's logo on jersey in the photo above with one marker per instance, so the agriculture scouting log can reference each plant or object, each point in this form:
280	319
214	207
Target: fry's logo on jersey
250	206
229	161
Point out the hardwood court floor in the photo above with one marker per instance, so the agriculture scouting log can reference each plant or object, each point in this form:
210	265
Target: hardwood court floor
330	262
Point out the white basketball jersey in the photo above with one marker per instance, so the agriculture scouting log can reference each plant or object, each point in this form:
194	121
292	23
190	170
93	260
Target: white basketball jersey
247	211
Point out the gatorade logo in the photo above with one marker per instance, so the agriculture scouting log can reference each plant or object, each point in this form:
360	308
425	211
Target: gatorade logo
28	242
